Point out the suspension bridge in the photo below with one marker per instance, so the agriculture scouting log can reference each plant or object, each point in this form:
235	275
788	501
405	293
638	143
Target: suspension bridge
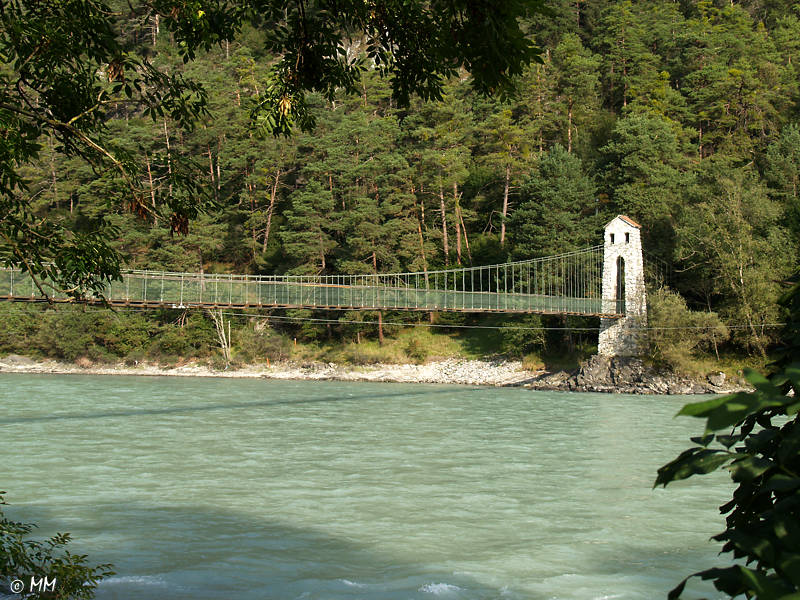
568	283
605	281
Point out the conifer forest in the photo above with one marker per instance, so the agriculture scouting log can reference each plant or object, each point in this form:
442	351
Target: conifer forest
683	115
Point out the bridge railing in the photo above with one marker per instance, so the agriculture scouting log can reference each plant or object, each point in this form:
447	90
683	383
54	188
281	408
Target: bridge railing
568	283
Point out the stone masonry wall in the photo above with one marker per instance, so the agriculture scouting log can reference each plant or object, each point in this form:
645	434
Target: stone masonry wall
624	336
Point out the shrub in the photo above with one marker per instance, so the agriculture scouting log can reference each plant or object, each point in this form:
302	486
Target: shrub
196	338
532	362
307	331
675	332
69	333
521	336
129	333
21	559
258	342
17	327
135	357
416	351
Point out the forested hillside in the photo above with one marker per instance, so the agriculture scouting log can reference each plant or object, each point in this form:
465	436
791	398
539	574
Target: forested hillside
682	115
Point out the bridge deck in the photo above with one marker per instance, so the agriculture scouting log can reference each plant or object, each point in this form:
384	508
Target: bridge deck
235	305
184	290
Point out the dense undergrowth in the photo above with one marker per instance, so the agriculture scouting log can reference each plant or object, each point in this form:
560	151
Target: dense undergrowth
680	340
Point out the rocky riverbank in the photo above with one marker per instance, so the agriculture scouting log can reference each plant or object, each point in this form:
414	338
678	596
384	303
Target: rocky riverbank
466	372
631	376
618	375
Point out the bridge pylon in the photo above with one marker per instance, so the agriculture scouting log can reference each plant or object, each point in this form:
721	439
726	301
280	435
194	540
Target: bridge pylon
623	290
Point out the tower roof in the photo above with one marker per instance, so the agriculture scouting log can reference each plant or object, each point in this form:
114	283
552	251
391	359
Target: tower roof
626	220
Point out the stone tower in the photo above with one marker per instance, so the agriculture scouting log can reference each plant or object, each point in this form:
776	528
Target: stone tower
623	289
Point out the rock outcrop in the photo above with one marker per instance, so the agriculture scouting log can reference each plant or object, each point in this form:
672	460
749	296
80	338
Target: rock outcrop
627	375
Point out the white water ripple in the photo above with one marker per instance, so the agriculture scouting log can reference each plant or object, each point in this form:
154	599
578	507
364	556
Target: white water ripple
438	589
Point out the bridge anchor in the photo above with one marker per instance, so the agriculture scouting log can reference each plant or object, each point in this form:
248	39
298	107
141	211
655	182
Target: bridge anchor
623	290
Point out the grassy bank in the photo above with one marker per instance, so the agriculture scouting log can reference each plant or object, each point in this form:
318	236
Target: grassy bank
173	337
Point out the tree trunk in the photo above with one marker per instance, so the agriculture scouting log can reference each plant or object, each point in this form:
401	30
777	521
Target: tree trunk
458	237
540	102
169	157
700	149
211	169
222	338
466	237
272	196
506	187
568	339
380	312
444	227
624	80
253	207
569	126
152	190
53	172
219	152
421	242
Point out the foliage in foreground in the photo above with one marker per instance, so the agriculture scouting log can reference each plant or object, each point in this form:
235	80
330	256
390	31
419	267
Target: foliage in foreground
69	67
756	436
21	559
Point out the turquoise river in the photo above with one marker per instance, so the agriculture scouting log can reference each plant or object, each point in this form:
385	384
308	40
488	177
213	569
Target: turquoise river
200	488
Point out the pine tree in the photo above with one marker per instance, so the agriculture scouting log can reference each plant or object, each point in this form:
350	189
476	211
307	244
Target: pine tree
622	41
310	225
647	177
577	84
782	174
736	83
556	212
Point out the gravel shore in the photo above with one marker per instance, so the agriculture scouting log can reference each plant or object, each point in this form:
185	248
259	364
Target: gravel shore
466	372
627	376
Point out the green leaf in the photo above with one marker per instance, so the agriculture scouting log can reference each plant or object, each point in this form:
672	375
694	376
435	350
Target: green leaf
766	587
678	589
727	440
695	461
761	383
731	410
780	482
748	468
789	448
790	567
701	409
706	440
793	373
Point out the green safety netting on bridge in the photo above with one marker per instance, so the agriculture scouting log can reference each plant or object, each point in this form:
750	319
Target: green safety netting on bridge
568	283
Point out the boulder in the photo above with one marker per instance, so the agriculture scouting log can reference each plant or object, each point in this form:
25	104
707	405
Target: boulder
17	360
717	379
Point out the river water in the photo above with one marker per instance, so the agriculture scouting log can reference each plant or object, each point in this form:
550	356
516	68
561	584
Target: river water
251	489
